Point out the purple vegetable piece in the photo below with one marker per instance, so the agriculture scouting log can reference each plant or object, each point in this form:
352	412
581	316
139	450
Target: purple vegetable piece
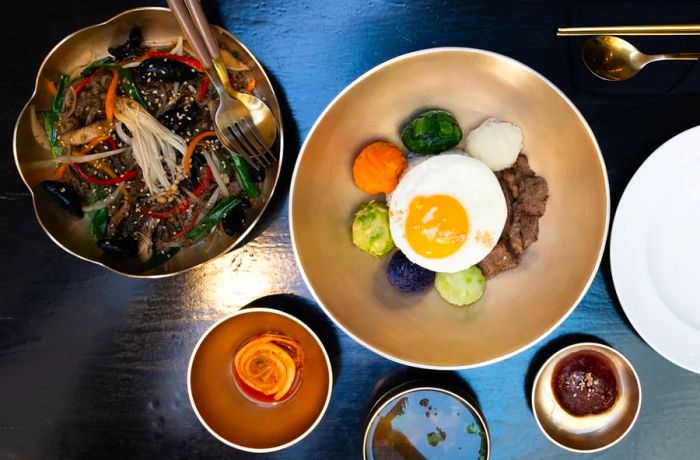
406	276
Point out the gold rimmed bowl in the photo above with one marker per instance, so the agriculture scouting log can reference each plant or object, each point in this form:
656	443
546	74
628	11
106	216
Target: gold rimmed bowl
520	306
74	52
231	416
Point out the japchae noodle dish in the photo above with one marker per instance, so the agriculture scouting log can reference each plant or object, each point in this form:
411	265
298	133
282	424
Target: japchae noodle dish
133	142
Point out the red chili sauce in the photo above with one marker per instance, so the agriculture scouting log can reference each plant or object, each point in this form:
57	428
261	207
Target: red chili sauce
584	383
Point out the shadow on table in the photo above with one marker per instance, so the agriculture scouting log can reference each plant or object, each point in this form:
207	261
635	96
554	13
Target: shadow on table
308	313
544	353
606	271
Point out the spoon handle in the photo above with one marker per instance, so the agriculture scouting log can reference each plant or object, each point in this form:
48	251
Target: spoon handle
679	57
663	29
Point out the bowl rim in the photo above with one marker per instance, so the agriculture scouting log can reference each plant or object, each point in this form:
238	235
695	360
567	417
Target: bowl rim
252	310
586	346
363	77
409	387
242	236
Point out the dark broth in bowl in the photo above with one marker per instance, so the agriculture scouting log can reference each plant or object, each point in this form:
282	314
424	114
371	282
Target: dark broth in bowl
426	424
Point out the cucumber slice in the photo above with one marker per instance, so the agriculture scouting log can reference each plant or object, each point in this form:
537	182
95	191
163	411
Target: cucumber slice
461	288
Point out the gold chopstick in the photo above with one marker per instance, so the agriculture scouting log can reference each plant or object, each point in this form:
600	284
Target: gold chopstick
664	29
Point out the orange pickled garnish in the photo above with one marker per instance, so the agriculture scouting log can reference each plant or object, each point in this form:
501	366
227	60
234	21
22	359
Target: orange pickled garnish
269	364
378	167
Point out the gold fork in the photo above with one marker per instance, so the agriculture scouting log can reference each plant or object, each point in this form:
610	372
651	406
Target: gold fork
244	124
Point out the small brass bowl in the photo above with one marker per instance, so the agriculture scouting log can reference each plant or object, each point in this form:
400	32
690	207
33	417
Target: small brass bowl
591	433
520	306
68	57
420	389
233	418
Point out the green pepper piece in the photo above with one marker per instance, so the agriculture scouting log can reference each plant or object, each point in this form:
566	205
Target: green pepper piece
104	62
217	213
129	86
244	177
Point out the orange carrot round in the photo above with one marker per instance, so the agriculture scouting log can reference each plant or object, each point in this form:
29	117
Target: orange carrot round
377	168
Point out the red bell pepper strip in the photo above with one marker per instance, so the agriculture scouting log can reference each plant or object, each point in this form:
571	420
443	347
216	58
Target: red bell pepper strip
203	183
112	143
192	62
174	211
97	181
82	84
203	88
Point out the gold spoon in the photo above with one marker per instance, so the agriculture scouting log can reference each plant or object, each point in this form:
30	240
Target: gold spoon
612	58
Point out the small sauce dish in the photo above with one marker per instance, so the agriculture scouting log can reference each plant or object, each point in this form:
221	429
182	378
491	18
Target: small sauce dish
586	397
236	414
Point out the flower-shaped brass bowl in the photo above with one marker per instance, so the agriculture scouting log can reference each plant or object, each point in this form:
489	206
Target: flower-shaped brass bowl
520	306
68	57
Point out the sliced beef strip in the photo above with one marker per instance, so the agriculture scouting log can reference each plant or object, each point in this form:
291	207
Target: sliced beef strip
526	197
509	181
529	229
513	236
522	167
508	196
533	195
499	259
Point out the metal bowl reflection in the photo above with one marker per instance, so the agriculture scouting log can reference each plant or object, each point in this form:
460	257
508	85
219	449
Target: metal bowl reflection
594	432
520	306
75	51
425	410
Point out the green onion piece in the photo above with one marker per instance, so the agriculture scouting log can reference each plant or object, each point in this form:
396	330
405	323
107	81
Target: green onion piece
98	222
49	120
99	218
217	213
60	94
244	177
129	87
104	62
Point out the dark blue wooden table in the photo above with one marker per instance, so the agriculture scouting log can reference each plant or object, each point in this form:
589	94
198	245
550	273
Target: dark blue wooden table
93	365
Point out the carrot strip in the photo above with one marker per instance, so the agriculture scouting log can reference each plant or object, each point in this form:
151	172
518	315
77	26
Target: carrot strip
111	98
60	171
269	364
51	86
250	85
191	148
90	146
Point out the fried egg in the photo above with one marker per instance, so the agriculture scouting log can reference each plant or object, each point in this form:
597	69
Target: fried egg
447	213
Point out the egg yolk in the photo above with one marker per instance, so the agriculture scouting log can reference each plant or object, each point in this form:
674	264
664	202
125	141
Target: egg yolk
436	225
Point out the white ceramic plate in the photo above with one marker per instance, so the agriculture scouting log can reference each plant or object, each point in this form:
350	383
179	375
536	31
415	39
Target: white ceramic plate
654	251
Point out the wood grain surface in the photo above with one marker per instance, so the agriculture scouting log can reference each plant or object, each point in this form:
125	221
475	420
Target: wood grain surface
93	365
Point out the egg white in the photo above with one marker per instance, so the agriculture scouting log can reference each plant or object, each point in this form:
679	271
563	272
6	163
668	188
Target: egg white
470	182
